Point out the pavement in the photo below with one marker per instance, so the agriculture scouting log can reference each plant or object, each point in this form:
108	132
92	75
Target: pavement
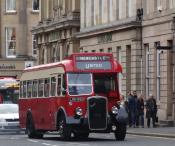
167	132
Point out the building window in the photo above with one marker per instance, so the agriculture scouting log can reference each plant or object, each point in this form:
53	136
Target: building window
34	45
158	71
35	5
148	65
10	5
10	42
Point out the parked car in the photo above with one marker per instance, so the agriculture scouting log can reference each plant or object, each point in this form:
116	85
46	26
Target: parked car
9	118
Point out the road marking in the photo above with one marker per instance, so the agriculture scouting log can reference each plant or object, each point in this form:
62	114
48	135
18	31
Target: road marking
32	140
46	144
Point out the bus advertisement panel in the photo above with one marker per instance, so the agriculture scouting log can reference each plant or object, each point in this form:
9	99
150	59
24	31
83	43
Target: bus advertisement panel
78	95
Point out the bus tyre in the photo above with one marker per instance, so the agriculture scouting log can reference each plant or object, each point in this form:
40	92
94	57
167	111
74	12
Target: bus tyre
120	132
80	135
30	129
63	128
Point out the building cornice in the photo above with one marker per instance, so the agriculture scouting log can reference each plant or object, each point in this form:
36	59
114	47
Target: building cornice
50	25
109	27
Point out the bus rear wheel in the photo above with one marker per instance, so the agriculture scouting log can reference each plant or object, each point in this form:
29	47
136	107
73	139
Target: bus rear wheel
30	129
120	132
64	129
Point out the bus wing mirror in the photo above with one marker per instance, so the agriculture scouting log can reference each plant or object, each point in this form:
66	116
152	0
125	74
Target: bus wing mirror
63	91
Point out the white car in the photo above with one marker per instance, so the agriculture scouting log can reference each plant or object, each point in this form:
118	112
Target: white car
9	118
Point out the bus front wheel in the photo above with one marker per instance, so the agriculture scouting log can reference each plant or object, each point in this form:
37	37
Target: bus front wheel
120	132
63	129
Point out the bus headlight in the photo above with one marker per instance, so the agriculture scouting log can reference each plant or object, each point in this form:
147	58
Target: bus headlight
78	111
114	110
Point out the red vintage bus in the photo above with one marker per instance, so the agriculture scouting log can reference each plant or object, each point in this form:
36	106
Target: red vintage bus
78	95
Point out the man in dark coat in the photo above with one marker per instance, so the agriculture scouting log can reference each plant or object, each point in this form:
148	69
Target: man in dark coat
132	106
151	110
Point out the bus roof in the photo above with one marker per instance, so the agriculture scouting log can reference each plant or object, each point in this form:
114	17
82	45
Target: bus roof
76	63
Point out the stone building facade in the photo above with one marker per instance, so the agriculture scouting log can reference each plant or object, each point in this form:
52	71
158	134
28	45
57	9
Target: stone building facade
55	32
17	17
140	34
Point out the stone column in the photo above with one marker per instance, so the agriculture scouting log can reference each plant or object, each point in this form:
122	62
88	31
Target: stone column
21	48
136	66
83	14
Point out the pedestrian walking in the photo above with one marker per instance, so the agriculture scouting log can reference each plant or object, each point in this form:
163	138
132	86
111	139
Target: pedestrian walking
140	111
132	106
151	110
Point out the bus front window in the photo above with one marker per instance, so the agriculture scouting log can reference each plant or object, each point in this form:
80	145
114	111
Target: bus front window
104	84
79	83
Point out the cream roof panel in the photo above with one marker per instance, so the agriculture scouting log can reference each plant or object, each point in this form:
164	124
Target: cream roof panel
39	74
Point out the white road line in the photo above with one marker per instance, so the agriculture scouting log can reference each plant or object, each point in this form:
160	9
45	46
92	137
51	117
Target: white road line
74	143
46	144
32	140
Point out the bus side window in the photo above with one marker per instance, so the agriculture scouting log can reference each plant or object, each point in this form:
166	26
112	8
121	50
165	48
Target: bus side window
46	87
59	85
21	89
34	88
53	86
29	88
40	88
24	89
63	84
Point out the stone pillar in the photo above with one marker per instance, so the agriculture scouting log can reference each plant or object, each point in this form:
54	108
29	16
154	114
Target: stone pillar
88	16
61	51
83	14
136	66
96	12
21	48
